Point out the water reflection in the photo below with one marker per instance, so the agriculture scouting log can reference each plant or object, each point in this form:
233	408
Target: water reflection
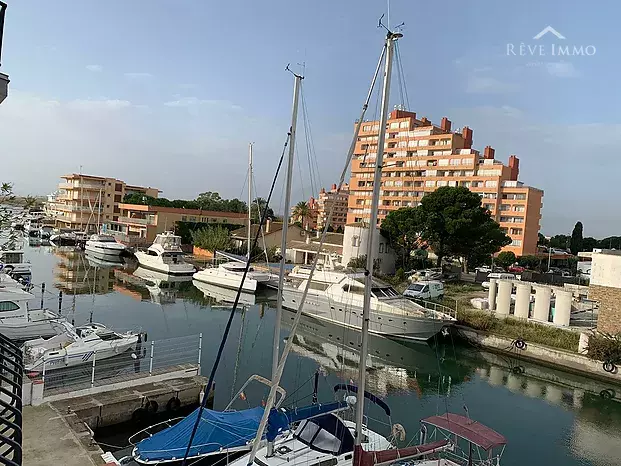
77	273
218	295
149	285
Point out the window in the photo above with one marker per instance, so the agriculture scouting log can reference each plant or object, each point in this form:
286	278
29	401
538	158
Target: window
108	206
118	187
516	242
108	195
7	306
381	248
117	198
404	124
394	125
366	128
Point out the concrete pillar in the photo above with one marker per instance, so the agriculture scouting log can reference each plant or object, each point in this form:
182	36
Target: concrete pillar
522	300
542	303
503	300
578	398
562	307
36	397
583	344
495	376
533	389
491	297
514	383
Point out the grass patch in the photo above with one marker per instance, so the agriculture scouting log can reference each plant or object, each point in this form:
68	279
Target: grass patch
515	328
605	347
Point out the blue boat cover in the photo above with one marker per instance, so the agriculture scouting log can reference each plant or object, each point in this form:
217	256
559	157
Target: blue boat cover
216	430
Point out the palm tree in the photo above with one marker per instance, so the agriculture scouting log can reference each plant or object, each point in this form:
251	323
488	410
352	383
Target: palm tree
30	202
302	213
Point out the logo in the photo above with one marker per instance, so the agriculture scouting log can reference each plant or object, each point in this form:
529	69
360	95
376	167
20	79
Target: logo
545	48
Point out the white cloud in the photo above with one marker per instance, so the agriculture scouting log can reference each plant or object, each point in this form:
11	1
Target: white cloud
479	84
94	68
562	69
188	102
99	104
138	75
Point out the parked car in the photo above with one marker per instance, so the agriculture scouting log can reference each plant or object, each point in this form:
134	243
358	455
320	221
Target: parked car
498	276
425	289
427	274
515	269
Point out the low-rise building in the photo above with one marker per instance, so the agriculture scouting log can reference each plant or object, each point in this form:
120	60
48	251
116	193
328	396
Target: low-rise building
138	224
355	241
83	202
271	236
304	252
605	288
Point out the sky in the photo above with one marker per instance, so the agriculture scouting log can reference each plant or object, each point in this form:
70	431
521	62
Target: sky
169	93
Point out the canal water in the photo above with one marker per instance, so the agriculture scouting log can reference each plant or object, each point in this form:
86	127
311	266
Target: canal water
548	416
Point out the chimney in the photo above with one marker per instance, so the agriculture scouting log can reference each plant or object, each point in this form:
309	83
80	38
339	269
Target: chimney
307	237
514	165
445	124
489	152
467	135
333	187
268	224
425	121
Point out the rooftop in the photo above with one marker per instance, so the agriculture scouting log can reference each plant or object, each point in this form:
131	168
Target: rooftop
176	210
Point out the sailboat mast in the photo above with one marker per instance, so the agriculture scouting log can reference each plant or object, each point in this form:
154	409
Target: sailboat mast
368	281
285	221
250	197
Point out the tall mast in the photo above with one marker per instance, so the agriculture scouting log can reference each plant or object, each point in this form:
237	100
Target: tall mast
250	197
285	221
368	281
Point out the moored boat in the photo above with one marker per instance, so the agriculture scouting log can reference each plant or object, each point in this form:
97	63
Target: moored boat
165	255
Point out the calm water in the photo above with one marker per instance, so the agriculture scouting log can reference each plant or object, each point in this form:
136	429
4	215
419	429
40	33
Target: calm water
549	417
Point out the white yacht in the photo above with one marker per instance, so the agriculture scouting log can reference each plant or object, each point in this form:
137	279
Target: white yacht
337	296
75	346
104	245
12	263
230	274
20	323
165	255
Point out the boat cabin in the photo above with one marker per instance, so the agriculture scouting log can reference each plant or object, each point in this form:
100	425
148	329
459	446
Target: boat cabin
12	257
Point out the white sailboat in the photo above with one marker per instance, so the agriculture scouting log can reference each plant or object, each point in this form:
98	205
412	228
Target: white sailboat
165	255
230	274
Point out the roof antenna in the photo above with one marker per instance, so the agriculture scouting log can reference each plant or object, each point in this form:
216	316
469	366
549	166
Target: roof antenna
292	72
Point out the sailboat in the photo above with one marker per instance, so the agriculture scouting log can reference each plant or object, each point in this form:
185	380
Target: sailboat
217	434
231	274
331	440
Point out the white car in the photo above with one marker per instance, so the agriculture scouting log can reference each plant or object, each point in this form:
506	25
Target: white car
498	276
425	289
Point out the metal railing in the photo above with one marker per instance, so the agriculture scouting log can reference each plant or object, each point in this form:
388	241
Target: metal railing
436	307
148	359
11	375
137	221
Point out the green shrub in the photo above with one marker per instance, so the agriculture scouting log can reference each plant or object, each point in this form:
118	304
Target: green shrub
605	347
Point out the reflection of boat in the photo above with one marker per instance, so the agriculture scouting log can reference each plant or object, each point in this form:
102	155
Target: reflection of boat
165	255
104	245
224	295
162	287
77	345
106	261
337	297
20	323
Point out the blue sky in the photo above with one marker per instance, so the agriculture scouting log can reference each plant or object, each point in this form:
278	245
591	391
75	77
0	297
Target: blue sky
169	93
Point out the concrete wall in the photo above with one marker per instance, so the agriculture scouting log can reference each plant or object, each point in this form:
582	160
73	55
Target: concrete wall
605	288
606	269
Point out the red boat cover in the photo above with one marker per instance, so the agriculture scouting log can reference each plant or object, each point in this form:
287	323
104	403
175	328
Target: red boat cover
468	429
370	458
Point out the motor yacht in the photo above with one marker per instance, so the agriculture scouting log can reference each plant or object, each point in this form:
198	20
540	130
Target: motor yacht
77	345
104	245
12	262
20	323
337	296
230	275
165	255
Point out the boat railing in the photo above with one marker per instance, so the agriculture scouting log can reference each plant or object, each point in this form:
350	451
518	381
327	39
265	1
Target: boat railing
435	307
11	378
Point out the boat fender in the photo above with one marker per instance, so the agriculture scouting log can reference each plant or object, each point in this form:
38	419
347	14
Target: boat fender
607	393
398	432
152	406
138	415
520	344
610	367
173	404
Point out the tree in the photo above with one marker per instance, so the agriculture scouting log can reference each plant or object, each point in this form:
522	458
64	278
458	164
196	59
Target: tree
30	202
530	262
559	241
6	195
589	243
506	259
359	262
401	229
575	243
302	213
262	205
453	222
541	240
213	238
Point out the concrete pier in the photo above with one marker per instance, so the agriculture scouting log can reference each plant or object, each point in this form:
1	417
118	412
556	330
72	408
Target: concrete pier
522	301
492	294
542	303
562	307
503	300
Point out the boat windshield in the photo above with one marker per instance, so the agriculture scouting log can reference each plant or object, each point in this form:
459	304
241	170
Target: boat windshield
104	239
384	292
326	434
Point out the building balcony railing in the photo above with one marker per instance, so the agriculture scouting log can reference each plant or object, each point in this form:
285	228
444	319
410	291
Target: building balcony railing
82	186
137	221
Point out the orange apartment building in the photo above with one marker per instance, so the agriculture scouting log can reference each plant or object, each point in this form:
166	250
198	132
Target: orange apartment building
420	157
84	201
325	202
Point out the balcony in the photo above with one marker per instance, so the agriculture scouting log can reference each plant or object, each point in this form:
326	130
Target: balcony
137	221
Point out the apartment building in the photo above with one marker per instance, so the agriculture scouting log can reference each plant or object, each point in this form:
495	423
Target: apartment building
339	200
137	225
420	157
83	201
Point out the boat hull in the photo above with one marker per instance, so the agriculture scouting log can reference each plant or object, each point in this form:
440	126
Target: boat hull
29	330
218	277
148	262
388	324
104	251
